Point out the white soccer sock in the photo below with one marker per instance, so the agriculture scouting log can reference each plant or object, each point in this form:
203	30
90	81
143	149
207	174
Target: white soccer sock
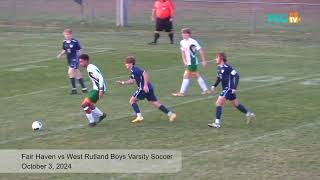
218	121
202	84
185	85
169	113
97	112
90	118
139	115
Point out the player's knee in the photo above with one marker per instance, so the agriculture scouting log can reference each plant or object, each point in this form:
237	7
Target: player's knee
87	106
87	109
132	100
219	103
156	104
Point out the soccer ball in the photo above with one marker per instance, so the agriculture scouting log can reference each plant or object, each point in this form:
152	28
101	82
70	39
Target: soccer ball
37	125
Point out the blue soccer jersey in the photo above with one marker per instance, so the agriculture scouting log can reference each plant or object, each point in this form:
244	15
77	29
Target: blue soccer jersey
72	48
137	74
228	77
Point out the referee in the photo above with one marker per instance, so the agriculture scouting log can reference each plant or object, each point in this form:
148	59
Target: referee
163	13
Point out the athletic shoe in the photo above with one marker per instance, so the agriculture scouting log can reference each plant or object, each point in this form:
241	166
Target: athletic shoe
152	43
137	119
104	115
178	94
92	124
214	125
250	116
172	117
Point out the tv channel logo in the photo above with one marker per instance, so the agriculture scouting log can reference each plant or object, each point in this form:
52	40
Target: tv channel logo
291	18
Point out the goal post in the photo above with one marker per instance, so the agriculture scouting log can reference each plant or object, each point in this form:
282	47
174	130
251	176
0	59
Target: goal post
122	13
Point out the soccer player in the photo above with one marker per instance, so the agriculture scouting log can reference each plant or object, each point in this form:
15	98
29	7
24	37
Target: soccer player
71	47
93	113
189	52
229	79
145	90
162	13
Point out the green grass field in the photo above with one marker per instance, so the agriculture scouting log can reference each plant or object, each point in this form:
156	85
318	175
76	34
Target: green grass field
280	80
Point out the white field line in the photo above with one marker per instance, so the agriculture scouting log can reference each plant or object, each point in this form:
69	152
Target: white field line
49	59
52	46
77	126
251	140
255	2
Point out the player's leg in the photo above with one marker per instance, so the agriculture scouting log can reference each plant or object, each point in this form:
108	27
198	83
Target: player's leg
151	97
133	101
157	31
168	29
72	75
81	81
202	83
88	107
93	113
219	109
186	82
249	115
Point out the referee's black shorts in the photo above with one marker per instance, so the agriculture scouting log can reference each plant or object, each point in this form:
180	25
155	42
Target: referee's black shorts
164	24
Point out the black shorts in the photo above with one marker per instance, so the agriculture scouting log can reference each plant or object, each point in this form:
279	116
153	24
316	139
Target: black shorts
164	24
227	93
141	95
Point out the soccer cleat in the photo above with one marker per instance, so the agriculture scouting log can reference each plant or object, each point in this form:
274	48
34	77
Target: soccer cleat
250	116
104	115
178	94
92	124
207	92
214	125
74	91
172	117
137	119
84	90
152	43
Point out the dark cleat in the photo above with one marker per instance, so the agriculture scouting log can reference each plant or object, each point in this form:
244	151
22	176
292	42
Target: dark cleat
104	115
152	43
74	91
92	124
84	90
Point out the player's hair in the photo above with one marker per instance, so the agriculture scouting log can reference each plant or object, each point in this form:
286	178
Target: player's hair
84	57
223	56
130	60
186	30
67	31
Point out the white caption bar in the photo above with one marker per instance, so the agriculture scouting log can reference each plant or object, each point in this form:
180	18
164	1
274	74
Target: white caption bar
90	161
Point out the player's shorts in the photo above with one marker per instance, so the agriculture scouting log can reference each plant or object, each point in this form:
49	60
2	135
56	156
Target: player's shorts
74	63
164	24
141	95
227	93
93	95
192	68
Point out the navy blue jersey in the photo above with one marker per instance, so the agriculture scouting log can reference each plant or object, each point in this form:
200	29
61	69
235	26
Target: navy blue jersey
137	74
228	77
71	47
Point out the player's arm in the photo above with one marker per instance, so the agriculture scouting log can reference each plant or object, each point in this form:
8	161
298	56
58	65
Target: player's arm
216	83
63	52
146	81
130	81
80	49
153	13
204	57
235	78
172	10
99	76
183	55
